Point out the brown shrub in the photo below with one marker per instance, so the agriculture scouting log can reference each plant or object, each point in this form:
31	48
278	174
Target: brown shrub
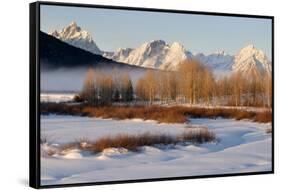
198	136
243	115
120	141
175	114
133	142
263	117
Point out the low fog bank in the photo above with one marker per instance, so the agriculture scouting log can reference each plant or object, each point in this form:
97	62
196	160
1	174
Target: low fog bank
71	79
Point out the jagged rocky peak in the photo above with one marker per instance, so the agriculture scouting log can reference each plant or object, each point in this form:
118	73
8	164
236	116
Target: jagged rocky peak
76	36
67	32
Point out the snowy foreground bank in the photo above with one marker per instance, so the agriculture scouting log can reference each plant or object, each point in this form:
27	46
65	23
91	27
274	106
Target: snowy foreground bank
244	146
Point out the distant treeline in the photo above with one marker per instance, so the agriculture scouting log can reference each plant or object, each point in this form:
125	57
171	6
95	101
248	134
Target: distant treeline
192	83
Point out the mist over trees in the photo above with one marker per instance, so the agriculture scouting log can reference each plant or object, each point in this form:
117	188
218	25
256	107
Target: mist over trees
192	83
101	88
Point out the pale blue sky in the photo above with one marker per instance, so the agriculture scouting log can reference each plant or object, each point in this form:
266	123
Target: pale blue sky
112	29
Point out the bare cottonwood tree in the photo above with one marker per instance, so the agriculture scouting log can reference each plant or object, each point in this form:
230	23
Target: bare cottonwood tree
89	92
192	80
146	88
140	90
208	86
126	87
151	85
105	84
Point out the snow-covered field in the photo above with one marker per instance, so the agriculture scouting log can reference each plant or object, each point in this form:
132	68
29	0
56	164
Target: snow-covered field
244	146
56	97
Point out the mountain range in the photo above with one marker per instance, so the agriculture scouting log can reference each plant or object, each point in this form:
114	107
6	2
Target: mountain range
158	54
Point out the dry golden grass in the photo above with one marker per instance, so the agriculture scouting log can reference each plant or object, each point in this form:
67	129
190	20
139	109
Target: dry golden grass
197	136
263	117
175	114
133	142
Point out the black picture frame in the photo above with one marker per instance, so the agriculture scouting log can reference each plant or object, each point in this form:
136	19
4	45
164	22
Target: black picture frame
34	93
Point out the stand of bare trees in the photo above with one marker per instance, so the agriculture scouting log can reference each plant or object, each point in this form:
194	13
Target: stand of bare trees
191	83
101	88
253	89
194	83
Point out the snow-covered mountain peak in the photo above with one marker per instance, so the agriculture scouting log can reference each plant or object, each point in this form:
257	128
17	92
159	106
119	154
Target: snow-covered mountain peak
76	36
250	58
249	50
76	32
